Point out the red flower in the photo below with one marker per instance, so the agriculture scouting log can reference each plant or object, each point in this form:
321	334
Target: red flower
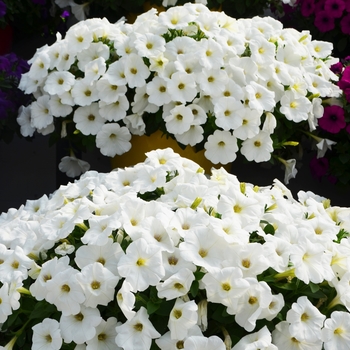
345	24
335	8
333	119
324	21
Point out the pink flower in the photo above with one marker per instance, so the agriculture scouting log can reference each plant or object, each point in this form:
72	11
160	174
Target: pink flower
319	167
345	24
347	94
319	5
324	21
307	8
344	82
335	8
333	119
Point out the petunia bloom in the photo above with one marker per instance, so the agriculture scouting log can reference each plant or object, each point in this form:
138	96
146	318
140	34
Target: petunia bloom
333	119
324	22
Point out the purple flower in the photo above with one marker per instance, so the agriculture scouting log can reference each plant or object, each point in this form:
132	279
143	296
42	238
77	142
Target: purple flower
344	82
333	119
65	14
5	105
2	9
307	8
347	94
337	68
5	64
319	167
345	24
324	21
335	8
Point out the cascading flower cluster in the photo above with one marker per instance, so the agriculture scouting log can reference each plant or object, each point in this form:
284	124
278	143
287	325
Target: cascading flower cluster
161	256
326	19
202	77
334	132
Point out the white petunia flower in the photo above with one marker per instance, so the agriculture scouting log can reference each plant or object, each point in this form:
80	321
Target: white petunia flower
24	120
136	72
157	90
336	331
95	69
182	87
108	92
88	119
225	285
258	340
80	327
295	108
136	333
182	317
41	116
141	265
47	335
79	37
59	82
305	320
282	338
126	300
73	166
113	139
179	120
104	338
176	285
258	148
203	343
65	292
58	108
149	44
221	147
227	110
84	92
108	254
98	284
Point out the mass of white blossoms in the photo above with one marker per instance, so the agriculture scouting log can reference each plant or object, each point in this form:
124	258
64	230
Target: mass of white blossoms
163	256
208	80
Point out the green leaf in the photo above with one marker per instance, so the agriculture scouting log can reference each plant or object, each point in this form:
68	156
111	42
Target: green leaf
269	229
314	287
194	288
152	307
42	309
344	158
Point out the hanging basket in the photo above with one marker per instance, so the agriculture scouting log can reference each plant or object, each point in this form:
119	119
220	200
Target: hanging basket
143	144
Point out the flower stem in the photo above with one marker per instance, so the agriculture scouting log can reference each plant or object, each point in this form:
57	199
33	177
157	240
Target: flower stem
334	302
285	274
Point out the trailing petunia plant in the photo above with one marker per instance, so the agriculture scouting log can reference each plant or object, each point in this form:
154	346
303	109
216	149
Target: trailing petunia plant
203	78
333	134
163	256
327	20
